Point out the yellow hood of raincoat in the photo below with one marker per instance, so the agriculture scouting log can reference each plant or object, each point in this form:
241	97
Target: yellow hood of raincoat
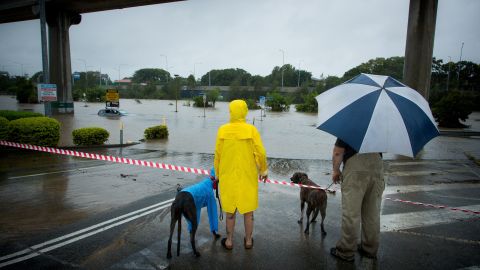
239	158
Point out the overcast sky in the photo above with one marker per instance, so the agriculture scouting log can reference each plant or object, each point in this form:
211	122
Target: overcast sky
320	36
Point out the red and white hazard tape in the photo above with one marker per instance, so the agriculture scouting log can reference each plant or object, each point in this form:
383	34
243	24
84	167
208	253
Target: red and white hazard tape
132	161
106	158
435	206
296	185
190	170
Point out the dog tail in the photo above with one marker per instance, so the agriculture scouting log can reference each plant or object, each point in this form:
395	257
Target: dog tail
179	234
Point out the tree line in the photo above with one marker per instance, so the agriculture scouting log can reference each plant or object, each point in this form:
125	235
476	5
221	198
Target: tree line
158	83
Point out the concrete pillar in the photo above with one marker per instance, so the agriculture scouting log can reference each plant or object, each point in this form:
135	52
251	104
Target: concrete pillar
417	69
59	23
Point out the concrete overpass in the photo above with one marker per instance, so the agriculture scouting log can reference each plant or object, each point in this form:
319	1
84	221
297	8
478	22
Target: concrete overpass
60	15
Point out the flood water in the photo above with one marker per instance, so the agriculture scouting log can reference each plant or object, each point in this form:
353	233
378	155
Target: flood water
290	135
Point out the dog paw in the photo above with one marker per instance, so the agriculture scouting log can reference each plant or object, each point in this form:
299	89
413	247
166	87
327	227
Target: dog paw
306	232
197	254
299	221
169	255
324	233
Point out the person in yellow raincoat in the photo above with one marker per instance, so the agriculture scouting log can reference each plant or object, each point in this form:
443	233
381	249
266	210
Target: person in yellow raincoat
239	159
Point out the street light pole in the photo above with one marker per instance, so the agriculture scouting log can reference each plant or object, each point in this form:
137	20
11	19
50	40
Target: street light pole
448	75
177	85
298	81
458	74
283	63
194	74
166	64
86	74
119	65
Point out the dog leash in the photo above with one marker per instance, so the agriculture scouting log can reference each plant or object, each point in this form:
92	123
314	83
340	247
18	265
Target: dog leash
220	205
215	185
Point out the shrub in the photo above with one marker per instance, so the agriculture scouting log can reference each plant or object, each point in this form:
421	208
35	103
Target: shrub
90	136
452	107
277	102
42	131
3	128
198	101
14	115
252	105
25	91
309	103
156	132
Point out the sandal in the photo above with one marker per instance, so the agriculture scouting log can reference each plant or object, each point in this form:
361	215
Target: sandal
224	240
335	253
245	243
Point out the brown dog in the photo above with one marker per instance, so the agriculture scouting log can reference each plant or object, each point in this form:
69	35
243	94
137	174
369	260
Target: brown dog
316	199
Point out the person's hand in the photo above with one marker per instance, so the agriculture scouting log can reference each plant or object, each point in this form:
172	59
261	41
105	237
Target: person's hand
264	178
336	177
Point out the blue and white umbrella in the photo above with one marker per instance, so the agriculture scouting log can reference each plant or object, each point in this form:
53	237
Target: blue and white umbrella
374	113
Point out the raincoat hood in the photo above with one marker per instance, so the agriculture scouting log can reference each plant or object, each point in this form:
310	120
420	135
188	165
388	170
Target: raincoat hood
238	111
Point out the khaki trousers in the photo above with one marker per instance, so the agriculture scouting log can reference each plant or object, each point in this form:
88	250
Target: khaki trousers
362	188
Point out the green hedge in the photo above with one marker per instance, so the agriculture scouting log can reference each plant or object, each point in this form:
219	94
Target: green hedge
3	128
42	131
14	115
90	136
156	132
452	108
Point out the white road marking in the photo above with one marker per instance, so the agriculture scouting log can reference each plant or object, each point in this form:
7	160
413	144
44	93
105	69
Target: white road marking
55	172
33	250
403	221
389	190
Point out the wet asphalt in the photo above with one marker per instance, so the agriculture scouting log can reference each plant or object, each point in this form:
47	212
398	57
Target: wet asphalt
72	213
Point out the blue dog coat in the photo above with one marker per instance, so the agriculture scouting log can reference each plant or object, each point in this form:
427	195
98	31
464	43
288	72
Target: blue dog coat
203	195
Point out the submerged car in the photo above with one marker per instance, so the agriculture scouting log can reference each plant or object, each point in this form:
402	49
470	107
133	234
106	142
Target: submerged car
111	112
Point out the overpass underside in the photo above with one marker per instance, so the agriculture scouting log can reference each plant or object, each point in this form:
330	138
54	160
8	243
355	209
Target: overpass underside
60	15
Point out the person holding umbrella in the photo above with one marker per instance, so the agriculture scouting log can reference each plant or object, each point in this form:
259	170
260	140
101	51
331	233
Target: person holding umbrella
370	114
362	189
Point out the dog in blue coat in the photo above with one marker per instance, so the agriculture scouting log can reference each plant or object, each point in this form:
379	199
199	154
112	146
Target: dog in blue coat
189	203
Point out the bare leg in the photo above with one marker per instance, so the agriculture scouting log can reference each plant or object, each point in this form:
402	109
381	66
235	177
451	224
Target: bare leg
248	221
230	221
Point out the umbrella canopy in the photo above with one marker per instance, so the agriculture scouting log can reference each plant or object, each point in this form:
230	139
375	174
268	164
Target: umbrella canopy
374	113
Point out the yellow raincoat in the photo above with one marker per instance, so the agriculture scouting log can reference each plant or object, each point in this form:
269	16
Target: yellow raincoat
239	158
